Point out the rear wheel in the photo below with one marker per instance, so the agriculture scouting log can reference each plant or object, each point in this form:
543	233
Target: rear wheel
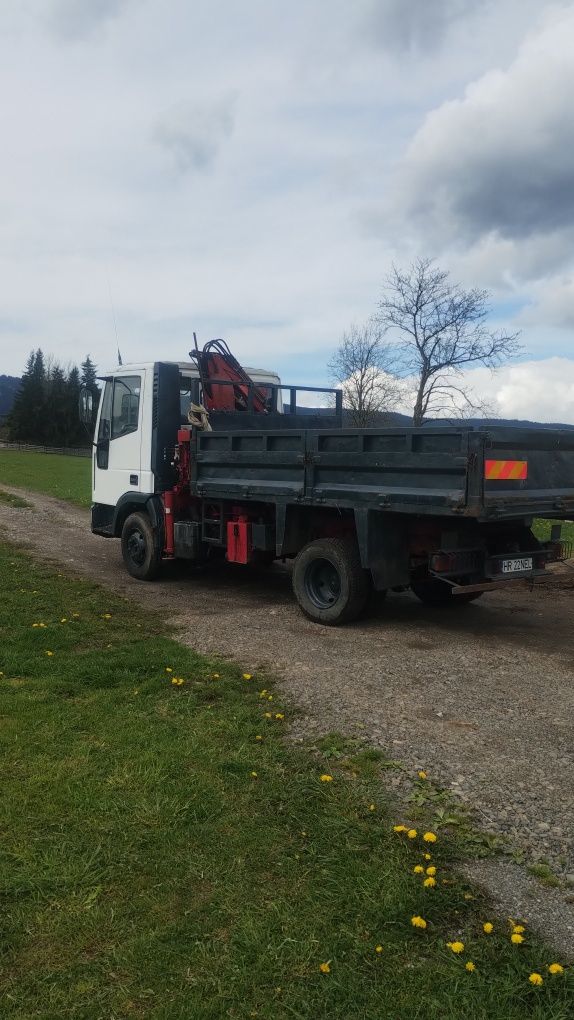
140	548
329	582
438	593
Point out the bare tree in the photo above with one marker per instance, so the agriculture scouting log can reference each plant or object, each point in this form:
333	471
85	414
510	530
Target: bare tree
439	329
363	367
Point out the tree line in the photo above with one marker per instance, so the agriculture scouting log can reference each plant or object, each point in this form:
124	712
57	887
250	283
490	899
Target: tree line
415	347
45	410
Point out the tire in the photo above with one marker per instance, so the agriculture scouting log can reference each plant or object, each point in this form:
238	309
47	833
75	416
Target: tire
140	549
438	593
329	582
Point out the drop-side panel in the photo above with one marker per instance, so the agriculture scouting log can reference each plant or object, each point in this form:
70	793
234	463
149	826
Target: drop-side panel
528	471
421	471
256	465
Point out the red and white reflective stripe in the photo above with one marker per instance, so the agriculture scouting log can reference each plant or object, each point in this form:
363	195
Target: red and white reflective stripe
505	469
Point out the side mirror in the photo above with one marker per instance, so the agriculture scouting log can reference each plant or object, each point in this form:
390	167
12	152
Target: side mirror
86	406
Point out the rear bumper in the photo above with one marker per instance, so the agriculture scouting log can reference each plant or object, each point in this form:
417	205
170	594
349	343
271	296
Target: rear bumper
487	573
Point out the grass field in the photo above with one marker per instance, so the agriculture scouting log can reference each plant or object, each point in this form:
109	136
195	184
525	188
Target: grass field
65	477
166	853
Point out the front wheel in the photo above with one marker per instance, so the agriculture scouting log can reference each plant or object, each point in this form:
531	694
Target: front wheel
140	550
438	593
329	582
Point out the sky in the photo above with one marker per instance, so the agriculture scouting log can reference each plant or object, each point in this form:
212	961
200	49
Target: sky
252	170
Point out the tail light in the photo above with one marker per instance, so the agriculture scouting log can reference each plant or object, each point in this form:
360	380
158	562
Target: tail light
556	551
441	563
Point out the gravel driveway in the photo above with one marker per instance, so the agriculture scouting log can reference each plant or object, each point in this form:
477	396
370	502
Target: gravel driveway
481	696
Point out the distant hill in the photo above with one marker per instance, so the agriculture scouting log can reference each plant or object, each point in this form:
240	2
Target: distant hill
387	420
404	421
9	386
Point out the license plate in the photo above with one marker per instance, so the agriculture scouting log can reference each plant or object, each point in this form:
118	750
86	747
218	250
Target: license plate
516	566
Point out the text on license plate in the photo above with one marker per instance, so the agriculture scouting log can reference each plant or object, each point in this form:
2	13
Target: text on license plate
513	566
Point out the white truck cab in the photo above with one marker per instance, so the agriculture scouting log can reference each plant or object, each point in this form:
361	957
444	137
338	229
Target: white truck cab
123	451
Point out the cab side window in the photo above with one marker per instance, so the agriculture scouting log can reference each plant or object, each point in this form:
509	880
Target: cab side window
105	427
125	405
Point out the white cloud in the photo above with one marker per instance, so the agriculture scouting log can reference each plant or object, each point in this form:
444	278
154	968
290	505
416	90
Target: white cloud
534	390
75	19
193	134
499	162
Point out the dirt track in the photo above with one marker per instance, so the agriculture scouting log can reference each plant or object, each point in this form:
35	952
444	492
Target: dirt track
481	696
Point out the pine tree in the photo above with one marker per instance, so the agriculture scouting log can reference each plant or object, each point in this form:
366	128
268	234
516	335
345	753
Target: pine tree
89	374
55	413
75	432
26	423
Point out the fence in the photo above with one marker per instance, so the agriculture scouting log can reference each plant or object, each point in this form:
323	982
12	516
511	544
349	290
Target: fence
69	451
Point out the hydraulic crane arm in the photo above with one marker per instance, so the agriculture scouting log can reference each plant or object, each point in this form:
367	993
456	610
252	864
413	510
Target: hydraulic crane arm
226	385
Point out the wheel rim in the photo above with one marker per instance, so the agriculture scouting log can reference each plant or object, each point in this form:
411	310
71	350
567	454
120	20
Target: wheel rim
322	583
136	547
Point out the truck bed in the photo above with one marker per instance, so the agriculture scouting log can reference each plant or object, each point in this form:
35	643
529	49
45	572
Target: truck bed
486	473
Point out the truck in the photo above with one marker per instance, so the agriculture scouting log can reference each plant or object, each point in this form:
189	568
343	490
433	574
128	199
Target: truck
203	461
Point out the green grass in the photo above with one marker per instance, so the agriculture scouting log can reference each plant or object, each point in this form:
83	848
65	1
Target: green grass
9	499
542	529
57	475
146	872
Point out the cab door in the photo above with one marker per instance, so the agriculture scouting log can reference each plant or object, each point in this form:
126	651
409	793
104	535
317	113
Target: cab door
117	455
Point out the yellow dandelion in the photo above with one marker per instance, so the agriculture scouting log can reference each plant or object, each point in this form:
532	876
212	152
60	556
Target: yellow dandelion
422	774
372	807
429	883
518	929
325	967
488	927
267	715
168	669
456	947
49	653
428	857
106	616
516	938
279	715
430	837
536	979
263	694
399	828
418	922
269	697
35	624
556	968
431	870
215	676
247	676
64	619
418	869
259	737
254	774
412	833
469	966
379	949
76	616
326	778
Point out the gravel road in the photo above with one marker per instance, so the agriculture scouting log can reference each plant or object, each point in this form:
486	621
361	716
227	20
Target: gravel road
480	696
